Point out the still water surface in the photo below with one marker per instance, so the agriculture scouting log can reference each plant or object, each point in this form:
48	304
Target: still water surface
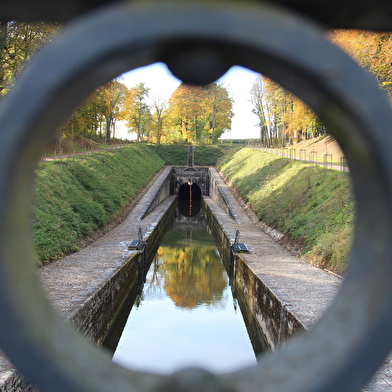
186	315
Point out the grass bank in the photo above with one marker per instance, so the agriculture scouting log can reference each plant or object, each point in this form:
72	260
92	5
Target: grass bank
75	197
206	155
309	204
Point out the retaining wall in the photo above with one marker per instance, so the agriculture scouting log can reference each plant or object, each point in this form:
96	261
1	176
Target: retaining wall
161	193
96	316
221	194
273	319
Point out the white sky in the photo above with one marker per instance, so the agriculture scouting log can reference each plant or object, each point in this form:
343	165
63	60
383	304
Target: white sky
237	80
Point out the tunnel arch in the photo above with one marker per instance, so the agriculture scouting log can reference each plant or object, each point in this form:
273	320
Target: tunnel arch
189	199
189	191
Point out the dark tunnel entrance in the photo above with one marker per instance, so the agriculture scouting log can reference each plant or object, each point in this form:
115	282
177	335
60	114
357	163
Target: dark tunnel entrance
189	199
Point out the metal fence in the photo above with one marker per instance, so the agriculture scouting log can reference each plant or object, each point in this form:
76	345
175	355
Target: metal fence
328	160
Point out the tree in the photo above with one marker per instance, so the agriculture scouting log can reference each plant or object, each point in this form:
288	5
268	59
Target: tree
139	115
97	116
199	114
219	110
282	116
3	46
260	108
373	51
278	105
185	112
112	99
159	107
18	42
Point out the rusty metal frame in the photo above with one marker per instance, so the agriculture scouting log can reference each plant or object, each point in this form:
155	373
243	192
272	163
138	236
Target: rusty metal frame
350	341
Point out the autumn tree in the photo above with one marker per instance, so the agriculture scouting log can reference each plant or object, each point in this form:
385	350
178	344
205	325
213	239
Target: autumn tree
184	112
97	116
218	110
158	116
283	118
18	42
260	109
373	51
138	111
199	113
3	46
278	103
112	97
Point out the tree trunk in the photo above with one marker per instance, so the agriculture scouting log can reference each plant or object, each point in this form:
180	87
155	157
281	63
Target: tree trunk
108	128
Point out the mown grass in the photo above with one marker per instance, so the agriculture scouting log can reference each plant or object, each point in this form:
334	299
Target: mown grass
311	205
74	197
206	155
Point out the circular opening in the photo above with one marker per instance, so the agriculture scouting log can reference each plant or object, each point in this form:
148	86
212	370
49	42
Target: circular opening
357	325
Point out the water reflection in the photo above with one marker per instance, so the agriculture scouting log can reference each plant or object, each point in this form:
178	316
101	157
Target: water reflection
192	273
186	315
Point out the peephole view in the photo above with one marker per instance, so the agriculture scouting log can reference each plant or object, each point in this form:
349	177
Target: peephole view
185	226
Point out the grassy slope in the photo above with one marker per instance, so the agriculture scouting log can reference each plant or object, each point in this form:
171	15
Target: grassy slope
315	149
74	197
204	155
313	206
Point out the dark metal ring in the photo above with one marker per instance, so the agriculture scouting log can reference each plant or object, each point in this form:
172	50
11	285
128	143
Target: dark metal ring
351	340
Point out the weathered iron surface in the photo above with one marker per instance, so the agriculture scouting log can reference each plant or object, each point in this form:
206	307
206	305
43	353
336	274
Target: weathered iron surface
348	344
348	14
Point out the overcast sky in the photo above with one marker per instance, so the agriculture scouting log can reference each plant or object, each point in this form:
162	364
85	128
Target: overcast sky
237	80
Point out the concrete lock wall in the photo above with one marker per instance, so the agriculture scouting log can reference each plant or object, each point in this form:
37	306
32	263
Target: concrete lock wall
220	193
276	322
95	317
162	192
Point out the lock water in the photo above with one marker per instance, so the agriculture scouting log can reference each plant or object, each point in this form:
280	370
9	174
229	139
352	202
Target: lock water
185	315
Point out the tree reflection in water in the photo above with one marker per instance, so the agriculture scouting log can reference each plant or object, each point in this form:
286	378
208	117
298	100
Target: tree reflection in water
186	315
193	275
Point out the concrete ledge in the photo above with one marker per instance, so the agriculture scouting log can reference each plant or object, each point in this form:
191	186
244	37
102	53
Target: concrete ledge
221	194
269	274
160	193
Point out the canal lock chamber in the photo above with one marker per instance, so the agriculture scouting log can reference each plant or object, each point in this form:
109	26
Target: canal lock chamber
186	311
267	320
194	216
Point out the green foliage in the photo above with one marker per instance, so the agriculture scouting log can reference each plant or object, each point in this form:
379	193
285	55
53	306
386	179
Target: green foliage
313	206
74	197
208	155
138	112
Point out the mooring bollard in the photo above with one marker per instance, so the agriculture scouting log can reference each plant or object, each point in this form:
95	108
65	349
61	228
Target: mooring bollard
200	41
